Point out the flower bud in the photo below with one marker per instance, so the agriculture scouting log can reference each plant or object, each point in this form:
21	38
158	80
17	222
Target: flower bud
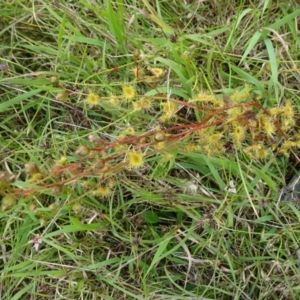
159	136
136	54
62	96
77	208
8	202
82	151
56	189
43	222
32	207
32	168
53	206
54	81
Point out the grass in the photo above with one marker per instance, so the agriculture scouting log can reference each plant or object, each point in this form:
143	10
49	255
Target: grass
143	145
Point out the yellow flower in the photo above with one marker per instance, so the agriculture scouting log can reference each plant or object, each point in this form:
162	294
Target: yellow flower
135	159
241	95
7	202
137	106
146	104
114	101
275	111
119	147
238	134
35	178
92	99
288	110
214	138
63	161
111	183
62	96
287	123
157	72
268	126
143	104
102	192
167	157
262	153
128	92
130	131
206	98
287	147
235	113
169	109
77	208
191	147
160	145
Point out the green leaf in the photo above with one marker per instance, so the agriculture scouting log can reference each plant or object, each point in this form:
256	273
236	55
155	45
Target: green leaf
248	78
239	19
264	219
251	44
77	226
159	254
179	71
23	291
7	105
274	66
283	21
150	217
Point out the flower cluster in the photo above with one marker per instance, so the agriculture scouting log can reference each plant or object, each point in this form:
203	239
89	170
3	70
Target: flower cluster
249	126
